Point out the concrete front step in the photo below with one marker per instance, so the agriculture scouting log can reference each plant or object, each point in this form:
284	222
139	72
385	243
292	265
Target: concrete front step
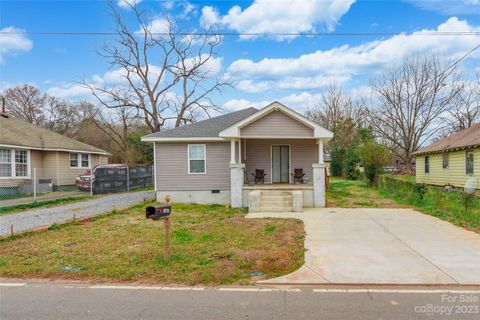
276	209
276	198
276	203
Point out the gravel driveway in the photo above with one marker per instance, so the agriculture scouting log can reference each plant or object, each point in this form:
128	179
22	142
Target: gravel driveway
36	218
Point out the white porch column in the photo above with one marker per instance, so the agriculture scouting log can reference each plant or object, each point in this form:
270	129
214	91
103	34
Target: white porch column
232	151
320	151
236	177
239	150
319	178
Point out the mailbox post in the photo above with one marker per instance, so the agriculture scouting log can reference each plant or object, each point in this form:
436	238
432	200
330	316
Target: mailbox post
163	212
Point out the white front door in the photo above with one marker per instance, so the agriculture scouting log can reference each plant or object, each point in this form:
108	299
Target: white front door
280	164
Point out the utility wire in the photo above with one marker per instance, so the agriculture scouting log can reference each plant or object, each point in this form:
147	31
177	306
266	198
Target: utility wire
253	34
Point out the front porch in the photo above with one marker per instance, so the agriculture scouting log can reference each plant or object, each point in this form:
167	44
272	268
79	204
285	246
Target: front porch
279	186
274	147
280	189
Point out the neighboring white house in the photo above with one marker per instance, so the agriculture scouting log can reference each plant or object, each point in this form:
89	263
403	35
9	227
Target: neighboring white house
56	158
217	160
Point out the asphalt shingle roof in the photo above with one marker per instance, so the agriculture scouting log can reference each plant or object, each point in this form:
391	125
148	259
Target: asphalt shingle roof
17	132
206	128
468	137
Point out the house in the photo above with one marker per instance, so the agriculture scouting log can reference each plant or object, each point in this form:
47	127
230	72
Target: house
452	160
215	160
57	159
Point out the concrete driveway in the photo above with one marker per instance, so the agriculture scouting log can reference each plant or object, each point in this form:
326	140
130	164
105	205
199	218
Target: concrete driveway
382	246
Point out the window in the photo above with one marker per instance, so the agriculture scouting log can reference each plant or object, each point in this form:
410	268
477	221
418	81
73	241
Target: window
73	160
445	161
85	162
196	158
427	164
79	160
5	163
21	165
14	163
469	162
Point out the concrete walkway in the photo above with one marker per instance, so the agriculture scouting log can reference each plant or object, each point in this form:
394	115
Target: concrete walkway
382	246
37	218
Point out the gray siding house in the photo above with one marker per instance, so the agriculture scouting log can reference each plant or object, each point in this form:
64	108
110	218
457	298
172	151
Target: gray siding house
215	160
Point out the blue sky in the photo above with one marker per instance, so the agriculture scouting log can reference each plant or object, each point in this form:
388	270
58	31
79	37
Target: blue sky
293	70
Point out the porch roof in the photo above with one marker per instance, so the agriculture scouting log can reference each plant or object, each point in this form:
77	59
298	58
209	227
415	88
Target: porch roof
234	131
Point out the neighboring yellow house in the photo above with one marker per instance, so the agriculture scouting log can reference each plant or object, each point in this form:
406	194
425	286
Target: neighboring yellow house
57	159
452	160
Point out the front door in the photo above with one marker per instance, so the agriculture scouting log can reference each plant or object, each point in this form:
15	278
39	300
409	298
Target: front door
280	164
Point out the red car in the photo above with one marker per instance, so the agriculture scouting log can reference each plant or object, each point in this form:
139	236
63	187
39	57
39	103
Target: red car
84	180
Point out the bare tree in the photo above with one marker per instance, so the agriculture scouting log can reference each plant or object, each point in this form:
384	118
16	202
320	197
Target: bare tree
117	124
167	75
410	98
466	112
26	102
338	112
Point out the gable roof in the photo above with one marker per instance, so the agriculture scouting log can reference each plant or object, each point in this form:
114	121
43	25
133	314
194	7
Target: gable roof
207	128
18	133
318	131
469	137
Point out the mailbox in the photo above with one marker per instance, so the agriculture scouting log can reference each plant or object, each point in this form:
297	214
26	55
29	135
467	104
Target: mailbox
158	212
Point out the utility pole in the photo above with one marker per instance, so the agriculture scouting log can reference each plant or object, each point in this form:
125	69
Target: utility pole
3	104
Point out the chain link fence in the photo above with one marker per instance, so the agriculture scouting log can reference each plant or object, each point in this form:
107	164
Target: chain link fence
106	180
23	190
120	179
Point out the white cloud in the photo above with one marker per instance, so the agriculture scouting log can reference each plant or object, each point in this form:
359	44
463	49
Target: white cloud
70	91
267	16
456	7
339	64
209	17
117	78
298	102
126	4
13	41
238	104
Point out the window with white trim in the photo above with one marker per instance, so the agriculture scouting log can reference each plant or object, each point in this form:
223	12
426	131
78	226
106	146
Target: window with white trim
14	163
79	160
427	164
21	163
5	163
196	158
469	162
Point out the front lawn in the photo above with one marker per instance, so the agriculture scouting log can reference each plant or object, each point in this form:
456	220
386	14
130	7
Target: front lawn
356	194
210	245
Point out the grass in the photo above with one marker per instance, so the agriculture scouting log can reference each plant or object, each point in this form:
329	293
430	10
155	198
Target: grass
141	189
42	204
432	200
211	245
356	194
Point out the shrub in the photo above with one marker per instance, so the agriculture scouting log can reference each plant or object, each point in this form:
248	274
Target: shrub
454	206
374	157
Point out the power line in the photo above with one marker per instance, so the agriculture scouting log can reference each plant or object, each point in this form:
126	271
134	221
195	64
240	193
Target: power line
252	34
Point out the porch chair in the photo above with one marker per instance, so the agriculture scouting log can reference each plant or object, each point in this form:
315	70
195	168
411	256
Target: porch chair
298	175
259	175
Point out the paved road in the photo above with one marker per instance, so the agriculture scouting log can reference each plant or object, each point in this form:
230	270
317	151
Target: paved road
389	246
77	301
44	217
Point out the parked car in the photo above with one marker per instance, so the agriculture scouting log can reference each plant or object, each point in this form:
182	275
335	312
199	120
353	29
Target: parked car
84	180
